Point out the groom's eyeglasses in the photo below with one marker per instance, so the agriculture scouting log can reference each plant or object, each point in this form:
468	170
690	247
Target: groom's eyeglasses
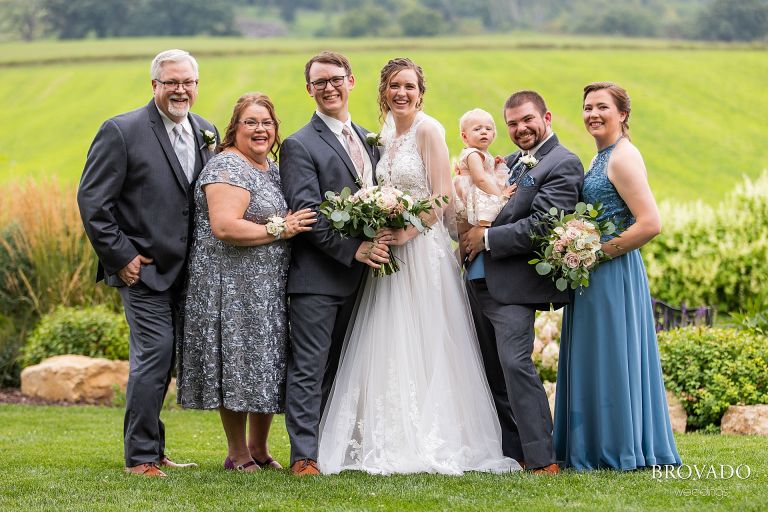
335	81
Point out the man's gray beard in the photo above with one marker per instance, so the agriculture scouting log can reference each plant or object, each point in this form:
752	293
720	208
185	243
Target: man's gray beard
177	112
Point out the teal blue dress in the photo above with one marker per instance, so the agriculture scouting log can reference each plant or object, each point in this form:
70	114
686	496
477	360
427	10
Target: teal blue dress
611	408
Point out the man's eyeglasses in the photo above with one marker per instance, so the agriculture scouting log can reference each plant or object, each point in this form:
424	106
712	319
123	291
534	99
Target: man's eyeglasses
335	81
252	124
173	84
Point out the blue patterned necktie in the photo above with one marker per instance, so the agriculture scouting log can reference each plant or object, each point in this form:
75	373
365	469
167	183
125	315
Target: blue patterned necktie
515	173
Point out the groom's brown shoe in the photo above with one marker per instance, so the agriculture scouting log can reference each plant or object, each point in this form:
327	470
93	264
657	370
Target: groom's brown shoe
168	463
303	467
552	469
150	469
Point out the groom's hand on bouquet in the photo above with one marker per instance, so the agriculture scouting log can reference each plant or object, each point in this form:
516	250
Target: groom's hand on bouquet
374	253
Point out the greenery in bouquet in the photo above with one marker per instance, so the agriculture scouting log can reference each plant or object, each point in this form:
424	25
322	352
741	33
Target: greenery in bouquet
570	247
370	209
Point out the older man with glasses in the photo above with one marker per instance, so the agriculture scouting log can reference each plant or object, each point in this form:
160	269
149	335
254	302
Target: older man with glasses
135	202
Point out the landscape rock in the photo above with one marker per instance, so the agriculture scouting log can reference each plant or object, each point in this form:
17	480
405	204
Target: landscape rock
74	378
745	419
677	414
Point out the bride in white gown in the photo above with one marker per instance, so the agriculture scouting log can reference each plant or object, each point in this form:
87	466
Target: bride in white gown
410	393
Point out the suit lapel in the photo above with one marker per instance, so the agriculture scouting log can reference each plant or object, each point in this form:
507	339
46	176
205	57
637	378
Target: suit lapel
156	123
546	147
330	138
202	154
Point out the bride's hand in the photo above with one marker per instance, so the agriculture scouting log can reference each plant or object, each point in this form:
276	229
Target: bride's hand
398	236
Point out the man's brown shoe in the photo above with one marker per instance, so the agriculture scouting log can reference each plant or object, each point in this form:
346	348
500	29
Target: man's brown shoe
168	463
304	467
552	469
149	469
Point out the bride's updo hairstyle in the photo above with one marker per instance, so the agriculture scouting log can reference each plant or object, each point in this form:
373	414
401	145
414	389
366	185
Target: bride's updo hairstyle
620	99
392	68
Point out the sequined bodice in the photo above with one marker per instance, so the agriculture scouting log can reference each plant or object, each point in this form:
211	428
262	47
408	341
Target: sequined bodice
599	189
401	165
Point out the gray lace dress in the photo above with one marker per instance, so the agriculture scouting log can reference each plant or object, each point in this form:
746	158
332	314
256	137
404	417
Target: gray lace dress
233	347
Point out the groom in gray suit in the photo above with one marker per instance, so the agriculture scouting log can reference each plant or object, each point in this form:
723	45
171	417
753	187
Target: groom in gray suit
135	200
326	271
505	291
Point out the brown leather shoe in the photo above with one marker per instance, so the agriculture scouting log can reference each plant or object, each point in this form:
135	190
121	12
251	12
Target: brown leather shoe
552	469
168	463
303	467
149	469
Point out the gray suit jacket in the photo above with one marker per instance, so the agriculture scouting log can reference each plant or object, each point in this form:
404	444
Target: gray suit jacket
134	197
555	181
312	162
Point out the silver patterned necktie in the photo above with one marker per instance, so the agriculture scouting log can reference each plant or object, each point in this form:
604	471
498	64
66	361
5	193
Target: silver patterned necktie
354	151
182	150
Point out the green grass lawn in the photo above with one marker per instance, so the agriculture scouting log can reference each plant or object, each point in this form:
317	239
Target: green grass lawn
56	458
698	113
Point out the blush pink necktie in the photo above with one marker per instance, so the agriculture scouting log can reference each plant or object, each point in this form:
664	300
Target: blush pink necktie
354	150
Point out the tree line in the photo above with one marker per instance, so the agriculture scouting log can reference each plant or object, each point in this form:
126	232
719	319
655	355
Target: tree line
722	20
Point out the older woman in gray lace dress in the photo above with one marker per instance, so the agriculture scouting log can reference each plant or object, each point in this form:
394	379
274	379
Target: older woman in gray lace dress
232	353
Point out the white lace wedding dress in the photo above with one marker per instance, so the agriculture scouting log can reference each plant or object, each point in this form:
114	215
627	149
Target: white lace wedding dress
410	394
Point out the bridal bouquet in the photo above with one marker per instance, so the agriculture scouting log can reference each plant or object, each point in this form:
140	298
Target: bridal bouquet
362	214
570	248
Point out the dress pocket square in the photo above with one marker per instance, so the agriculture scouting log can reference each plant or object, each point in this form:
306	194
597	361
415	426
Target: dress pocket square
527	181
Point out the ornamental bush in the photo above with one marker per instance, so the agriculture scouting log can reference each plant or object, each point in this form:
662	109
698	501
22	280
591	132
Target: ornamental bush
714	256
95	332
710	369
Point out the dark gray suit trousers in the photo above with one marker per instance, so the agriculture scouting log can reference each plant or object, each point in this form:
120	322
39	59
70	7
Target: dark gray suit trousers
505	333
318	327
152	318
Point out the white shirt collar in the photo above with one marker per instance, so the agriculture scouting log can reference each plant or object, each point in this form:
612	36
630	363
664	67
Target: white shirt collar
534	150
334	124
170	124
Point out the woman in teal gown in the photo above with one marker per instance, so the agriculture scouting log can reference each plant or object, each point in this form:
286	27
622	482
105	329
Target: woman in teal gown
611	407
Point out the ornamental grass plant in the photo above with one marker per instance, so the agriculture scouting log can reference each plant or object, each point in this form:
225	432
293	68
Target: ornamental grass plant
46	260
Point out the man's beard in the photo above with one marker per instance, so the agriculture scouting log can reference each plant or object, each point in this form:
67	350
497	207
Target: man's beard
176	111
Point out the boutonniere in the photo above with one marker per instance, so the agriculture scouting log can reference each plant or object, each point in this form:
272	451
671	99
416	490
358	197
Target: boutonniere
529	161
209	138
374	139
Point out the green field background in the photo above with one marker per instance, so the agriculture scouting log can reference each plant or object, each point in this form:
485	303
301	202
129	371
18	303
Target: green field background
698	111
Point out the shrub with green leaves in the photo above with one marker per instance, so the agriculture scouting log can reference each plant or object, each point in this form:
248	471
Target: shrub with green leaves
710	369
713	256
95	331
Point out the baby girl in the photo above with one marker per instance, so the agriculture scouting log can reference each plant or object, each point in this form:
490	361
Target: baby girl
481	183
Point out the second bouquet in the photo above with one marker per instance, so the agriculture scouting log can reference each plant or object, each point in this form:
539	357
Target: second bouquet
367	211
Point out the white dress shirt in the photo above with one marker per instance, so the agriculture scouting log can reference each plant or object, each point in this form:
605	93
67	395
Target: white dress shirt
336	127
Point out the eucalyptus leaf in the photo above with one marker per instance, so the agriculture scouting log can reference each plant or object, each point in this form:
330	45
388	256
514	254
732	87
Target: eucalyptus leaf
337	216
553	211
581	208
543	268
345	193
561	284
369	231
329	195
345	216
